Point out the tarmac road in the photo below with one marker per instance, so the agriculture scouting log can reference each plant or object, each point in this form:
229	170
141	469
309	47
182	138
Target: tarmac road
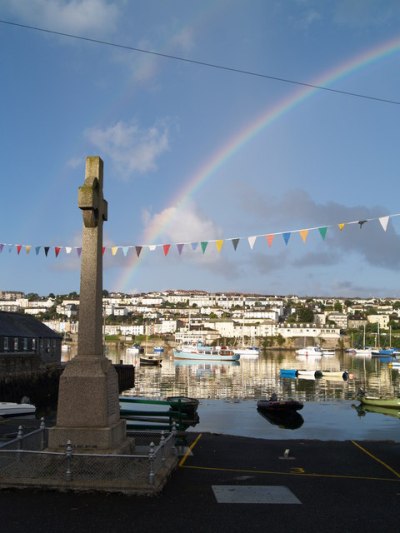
236	484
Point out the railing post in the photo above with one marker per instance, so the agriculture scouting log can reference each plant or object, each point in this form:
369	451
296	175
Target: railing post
68	454
43	436
151	461
20	434
162	445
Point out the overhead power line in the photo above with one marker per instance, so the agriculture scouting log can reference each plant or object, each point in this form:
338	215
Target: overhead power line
202	63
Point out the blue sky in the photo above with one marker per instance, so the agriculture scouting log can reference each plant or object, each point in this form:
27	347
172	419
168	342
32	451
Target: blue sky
166	130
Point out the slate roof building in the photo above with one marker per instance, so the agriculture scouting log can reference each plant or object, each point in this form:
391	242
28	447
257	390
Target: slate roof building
26	343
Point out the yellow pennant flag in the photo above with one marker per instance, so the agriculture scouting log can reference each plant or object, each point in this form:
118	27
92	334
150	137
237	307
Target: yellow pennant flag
114	250
341	226
219	244
304	234
28	248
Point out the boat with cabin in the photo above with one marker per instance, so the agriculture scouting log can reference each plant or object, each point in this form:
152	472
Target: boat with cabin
207	354
13	410
310	351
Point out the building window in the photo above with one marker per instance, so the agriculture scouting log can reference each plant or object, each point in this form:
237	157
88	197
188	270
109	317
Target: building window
6	344
15	344
25	345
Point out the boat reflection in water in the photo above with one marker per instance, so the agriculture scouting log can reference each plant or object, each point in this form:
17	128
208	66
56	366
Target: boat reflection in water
283	419
362	410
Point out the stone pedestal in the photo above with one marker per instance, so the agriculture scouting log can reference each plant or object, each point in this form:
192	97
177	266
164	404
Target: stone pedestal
88	408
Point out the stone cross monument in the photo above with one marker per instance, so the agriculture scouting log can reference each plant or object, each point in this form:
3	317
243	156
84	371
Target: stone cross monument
88	405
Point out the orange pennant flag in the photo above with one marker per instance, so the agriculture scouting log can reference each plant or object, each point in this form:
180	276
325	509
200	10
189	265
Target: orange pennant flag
219	244
270	238
304	234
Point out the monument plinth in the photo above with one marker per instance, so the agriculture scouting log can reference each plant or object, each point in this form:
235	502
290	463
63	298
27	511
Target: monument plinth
88	400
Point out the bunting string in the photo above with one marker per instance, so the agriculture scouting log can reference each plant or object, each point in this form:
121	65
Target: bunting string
269	238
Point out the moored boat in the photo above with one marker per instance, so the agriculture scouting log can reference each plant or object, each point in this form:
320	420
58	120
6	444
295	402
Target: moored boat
151	359
158	349
276	405
310	350
377	401
223	354
251	352
10	409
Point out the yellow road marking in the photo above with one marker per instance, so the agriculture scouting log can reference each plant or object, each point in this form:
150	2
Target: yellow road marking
376	459
182	461
243	471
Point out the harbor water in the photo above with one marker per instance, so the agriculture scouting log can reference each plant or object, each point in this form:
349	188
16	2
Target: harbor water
228	394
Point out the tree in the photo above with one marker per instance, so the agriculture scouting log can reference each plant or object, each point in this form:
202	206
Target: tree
305	315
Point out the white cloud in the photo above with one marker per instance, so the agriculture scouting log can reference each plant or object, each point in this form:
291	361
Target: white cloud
71	16
132	150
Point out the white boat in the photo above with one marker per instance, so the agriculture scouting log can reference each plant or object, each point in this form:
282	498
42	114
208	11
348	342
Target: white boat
10	409
134	349
252	352
223	354
363	352
310	350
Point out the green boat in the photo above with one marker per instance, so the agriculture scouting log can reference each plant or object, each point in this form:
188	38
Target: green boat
376	401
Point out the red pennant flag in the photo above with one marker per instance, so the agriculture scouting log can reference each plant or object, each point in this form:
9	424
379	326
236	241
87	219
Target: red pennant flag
166	248
57	250
19	246
103	250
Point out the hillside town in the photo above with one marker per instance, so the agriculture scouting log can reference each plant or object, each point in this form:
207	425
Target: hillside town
252	319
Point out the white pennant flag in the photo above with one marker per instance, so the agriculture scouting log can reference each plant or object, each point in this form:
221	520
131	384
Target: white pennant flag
384	222
125	250
68	249
252	241
152	247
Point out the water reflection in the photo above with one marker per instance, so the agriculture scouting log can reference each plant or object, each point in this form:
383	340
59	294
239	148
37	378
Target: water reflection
287	420
258	378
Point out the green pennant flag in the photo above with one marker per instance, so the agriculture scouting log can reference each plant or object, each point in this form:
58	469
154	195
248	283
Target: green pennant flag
204	245
323	232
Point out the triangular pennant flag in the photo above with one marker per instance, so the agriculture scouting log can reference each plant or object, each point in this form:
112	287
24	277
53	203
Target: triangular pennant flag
28	248
252	241
19	247
180	248
270	238
46	250
286	236
103	250
235	243
114	250
204	245
194	245
341	226
125	250
219	244
138	250
37	249
323	231
362	222
384	222
57	250
68	249
304	234
166	248
1	247
79	251
152	247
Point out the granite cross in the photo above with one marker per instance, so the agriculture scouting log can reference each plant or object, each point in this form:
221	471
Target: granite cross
94	211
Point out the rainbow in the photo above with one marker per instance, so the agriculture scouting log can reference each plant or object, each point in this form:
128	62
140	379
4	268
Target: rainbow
264	120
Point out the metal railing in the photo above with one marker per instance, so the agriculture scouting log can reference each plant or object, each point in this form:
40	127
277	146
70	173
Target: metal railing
26	458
